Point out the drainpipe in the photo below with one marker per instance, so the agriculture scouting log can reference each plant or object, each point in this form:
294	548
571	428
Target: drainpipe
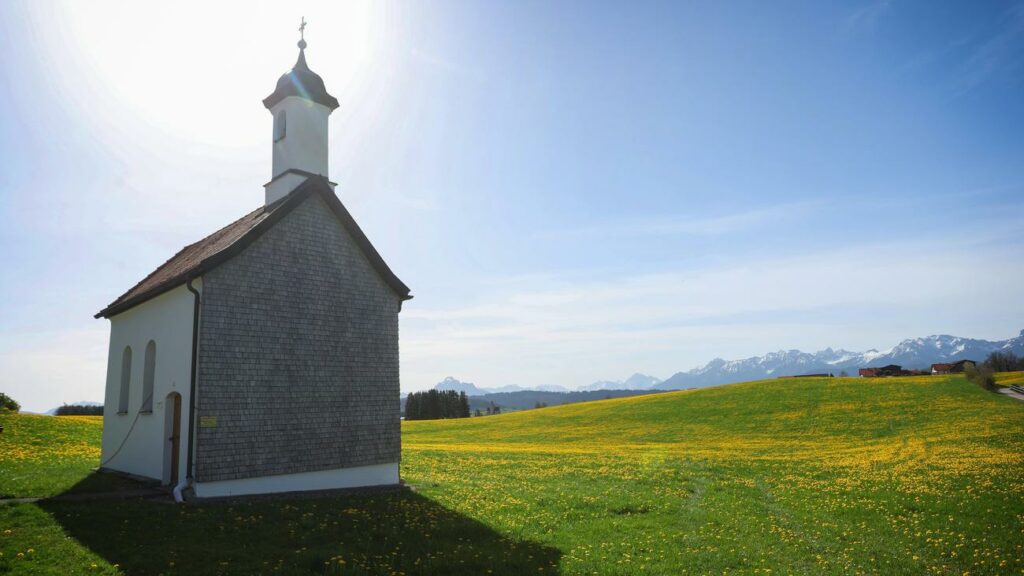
191	394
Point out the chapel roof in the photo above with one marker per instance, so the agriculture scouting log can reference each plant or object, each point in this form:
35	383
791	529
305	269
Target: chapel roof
195	259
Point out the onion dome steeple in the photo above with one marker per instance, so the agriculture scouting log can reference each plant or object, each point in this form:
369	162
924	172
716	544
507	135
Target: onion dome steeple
302	82
301	108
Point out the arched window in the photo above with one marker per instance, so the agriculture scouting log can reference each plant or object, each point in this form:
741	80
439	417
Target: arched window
280	125
148	373
126	380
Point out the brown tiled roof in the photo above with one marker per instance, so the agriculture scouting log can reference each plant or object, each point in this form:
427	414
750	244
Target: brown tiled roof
195	259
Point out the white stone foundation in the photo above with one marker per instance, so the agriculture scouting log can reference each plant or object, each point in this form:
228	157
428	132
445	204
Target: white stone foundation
358	477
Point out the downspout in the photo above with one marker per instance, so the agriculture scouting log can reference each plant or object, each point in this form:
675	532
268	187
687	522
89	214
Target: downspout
192	393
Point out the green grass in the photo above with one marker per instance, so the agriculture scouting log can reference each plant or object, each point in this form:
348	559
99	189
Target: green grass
829	476
1009	378
46	455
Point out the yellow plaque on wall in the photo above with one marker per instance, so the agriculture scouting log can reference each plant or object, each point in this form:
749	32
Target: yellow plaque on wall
207	421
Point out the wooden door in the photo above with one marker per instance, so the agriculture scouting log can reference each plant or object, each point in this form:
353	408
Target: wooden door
175	439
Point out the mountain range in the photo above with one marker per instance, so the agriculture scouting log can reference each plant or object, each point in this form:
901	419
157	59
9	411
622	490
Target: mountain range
471	389
634	382
915	353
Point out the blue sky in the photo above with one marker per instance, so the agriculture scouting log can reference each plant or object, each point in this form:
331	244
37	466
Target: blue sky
575	191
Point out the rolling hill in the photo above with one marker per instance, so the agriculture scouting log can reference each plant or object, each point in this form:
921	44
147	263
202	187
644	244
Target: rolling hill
822	476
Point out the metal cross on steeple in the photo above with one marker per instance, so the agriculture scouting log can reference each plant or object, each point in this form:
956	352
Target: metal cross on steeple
302	34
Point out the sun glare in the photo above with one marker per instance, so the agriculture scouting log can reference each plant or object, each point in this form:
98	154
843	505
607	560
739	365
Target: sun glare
159	72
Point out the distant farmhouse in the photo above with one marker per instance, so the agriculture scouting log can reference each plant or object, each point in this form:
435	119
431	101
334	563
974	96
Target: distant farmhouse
897	370
890	370
264	357
951	368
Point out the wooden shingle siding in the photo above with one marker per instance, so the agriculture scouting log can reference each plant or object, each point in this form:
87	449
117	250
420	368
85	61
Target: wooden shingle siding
298	355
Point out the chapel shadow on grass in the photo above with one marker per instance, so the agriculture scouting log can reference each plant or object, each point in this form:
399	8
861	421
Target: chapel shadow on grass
385	533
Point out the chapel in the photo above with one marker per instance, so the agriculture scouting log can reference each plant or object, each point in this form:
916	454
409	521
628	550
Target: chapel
264	357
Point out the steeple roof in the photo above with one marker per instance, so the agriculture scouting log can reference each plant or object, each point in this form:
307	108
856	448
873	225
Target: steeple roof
301	82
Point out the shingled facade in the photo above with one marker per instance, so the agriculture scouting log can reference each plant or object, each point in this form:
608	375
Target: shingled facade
264	357
298	361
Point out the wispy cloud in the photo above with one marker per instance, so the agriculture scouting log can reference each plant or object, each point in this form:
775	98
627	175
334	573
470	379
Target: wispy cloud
997	54
712	225
575	332
866	17
445	64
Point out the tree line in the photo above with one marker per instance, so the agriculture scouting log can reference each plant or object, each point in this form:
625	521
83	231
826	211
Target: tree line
491	409
1003	362
436	404
983	375
79	410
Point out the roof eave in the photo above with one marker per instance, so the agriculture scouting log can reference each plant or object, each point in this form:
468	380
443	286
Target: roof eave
327	100
114	310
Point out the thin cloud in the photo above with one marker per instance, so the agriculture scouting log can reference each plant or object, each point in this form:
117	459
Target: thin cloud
576	333
687	226
445	64
998	55
866	18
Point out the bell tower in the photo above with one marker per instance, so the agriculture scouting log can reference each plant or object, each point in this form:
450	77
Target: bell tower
300	106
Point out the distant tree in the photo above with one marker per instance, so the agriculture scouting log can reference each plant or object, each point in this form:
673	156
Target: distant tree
436	404
981	376
1003	362
8	403
477	412
496	409
432	405
843	374
541	405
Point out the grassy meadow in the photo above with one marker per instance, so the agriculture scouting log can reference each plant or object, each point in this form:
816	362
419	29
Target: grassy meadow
1010	378
921	475
44	455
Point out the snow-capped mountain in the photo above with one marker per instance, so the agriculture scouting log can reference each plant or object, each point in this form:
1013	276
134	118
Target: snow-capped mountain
635	382
547	388
917	353
451	383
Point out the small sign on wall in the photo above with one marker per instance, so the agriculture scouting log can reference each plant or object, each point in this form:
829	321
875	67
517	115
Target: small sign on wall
207	421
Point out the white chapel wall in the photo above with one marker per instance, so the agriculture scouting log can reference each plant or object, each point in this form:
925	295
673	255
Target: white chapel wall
167	320
304	146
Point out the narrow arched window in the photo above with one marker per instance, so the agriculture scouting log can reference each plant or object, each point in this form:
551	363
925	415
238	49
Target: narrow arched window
126	380
280	125
149	371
